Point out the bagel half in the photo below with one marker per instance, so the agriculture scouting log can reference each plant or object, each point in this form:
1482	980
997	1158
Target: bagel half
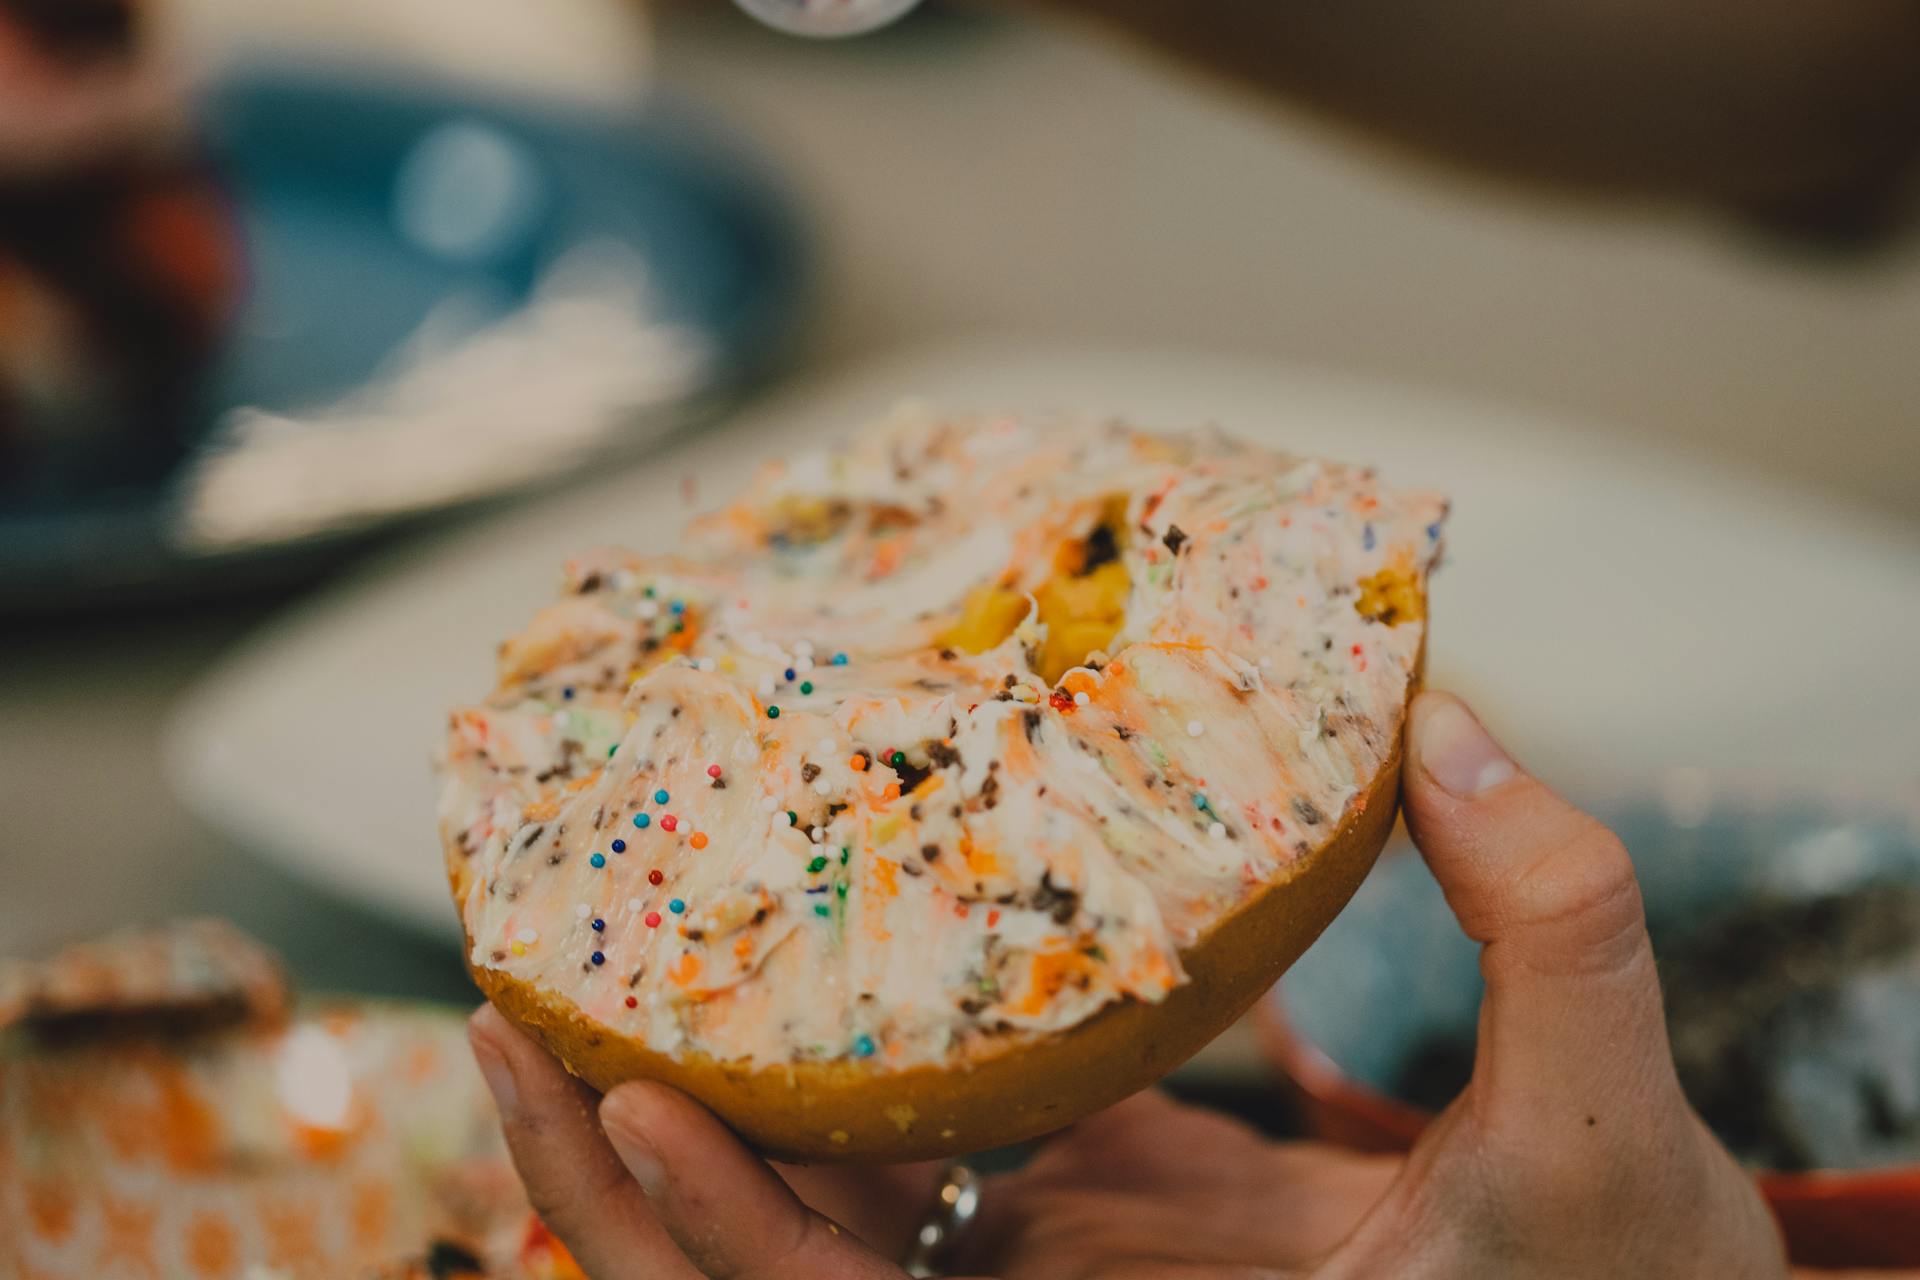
945	789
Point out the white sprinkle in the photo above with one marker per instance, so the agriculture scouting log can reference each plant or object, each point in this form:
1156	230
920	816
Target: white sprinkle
1217	830
768	804
705	664
766	686
821	787
634	904
648	609
817	834
803	663
1080	699
581	911
1195	728
527	936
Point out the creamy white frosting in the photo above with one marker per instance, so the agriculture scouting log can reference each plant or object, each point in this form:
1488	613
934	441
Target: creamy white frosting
1054	853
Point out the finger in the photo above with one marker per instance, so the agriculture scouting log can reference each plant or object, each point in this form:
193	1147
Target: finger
728	1211
1571	1027
574	1180
882	1204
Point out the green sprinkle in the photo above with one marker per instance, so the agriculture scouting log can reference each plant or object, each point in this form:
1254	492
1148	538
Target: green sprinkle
806	686
841	888
773	713
845	853
820	908
897	759
793	819
610	750
816	865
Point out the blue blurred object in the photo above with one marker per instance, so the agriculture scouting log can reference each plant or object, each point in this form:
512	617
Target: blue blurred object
366	208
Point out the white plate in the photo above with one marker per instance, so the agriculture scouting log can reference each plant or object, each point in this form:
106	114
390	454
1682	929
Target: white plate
1612	609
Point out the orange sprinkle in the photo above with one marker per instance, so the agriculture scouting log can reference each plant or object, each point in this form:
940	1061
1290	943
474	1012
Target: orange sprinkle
892	792
743	946
699	840
961	909
857	763
993	918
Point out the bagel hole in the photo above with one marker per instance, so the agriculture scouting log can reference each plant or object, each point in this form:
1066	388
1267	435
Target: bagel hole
1082	603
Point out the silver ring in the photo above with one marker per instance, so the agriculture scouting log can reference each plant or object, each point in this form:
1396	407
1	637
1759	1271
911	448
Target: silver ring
955	1205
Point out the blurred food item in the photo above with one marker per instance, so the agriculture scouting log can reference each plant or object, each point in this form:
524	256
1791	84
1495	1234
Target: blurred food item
119	260
191	975
469	406
139	1137
1795	1026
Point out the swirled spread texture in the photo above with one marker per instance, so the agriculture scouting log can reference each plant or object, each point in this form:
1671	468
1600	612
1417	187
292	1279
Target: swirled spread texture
958	732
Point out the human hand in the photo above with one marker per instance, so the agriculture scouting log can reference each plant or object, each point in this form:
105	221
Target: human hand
1571	1153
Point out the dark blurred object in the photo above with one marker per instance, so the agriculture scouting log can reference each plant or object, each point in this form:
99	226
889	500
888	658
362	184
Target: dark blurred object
1795	1026
450	297
1789	935
1800	119
119	258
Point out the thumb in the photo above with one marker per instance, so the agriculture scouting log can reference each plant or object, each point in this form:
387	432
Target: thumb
725	1207
1571	1027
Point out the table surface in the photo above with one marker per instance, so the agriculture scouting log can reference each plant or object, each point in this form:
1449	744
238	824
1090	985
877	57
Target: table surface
1004	176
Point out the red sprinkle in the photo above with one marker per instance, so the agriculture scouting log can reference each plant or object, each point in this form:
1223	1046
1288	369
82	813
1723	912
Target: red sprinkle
653	919
669	822
654	876
1060	700
713	771
633	1002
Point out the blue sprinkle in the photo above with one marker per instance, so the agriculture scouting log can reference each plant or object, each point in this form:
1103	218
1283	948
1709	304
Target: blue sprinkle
678	606
1433	532
839	659
599	957
660	796
642	821
619	846
1199	799
567	693
598	860
790	673
818	889
599	926
863	1046
676	906
1366	538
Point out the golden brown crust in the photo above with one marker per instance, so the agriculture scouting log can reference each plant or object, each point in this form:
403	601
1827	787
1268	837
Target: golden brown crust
847	1110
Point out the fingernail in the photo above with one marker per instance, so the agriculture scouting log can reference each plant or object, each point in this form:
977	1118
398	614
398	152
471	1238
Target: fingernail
636	1152
1458	753
495	1071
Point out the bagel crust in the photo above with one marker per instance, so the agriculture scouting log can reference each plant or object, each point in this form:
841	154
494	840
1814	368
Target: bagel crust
945	788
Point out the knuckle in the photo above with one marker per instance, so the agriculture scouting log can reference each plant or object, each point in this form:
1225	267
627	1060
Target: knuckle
1577	903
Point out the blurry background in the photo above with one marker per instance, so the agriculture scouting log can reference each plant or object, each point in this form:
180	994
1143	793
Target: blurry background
451	252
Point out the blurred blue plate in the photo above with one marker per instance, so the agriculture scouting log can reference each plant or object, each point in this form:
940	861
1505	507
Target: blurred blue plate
383	220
